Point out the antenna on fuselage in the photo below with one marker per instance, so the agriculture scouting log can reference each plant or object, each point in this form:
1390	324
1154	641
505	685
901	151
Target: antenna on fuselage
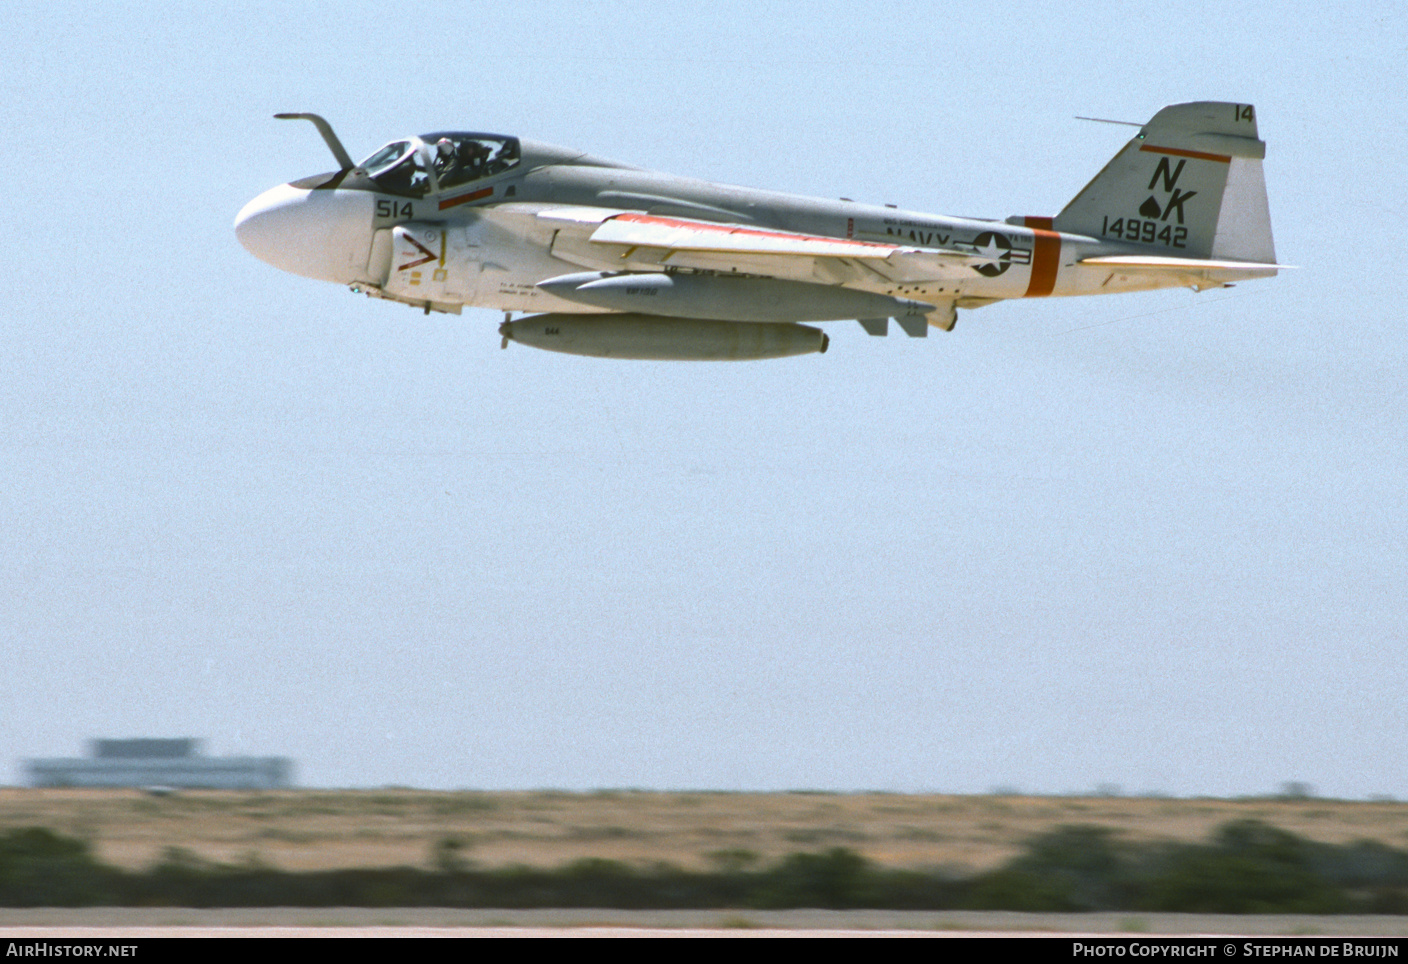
1102	120
324	128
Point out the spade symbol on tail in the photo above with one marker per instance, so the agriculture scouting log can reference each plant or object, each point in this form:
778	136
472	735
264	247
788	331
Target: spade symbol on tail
1151	208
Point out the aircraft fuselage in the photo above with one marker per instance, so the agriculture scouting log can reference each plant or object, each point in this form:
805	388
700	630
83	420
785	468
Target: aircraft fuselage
460	219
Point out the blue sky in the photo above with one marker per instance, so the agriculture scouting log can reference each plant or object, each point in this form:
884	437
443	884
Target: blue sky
1157	540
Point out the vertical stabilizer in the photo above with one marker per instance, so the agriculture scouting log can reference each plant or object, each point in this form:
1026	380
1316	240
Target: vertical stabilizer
1188	185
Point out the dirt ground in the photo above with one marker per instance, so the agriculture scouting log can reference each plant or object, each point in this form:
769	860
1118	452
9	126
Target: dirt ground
320	829
114	923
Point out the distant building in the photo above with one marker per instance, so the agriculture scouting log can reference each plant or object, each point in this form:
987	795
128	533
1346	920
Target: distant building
161	763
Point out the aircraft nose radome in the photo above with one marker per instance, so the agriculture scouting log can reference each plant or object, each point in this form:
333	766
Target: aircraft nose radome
317	234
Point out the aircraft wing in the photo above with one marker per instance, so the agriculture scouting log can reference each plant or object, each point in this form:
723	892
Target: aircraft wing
653	231
639	241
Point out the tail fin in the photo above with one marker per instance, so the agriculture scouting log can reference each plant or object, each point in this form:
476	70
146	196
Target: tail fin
1189	184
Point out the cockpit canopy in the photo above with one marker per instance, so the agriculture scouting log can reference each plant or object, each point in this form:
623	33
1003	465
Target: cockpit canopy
436	162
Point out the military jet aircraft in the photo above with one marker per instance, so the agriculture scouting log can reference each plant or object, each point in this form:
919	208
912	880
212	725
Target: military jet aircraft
614	261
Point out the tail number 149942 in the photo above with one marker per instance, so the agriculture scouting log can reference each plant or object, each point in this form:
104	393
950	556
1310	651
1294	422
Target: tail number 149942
1145	232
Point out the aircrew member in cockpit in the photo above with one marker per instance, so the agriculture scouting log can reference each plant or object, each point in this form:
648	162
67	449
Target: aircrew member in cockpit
446	162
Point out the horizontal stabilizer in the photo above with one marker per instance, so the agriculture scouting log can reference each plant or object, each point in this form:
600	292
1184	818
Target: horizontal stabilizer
1180	264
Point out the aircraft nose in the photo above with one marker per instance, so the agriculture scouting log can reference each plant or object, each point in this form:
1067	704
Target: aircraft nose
317	234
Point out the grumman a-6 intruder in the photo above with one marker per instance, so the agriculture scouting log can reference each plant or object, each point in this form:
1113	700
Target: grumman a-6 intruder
619	262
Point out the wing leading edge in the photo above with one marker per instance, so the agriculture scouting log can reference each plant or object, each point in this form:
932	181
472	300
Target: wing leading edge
640	241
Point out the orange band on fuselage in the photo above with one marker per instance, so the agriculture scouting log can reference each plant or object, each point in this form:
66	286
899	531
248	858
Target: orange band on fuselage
455	202
1179	152
1046	258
